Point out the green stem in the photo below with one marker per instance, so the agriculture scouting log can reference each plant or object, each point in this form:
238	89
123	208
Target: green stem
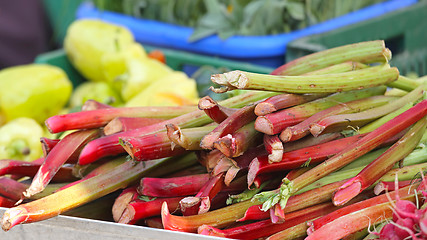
327	83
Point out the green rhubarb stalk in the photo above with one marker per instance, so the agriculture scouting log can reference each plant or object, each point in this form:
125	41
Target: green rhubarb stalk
327	83
377	168
405	83
346	156
363	52
81	193
380	121
332	123
188	138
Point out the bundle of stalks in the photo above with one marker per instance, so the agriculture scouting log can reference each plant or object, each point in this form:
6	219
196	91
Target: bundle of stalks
313	150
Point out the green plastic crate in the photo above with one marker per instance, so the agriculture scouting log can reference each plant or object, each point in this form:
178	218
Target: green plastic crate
177	60
404	31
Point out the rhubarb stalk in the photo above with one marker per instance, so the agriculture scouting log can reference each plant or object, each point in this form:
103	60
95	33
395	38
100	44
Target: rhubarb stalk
188	138
62	151
327	83
353	151
276	122
123	124
384	163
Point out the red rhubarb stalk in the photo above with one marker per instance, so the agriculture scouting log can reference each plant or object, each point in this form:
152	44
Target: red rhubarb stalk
62	151
100	117
302	129
29	169
139	209
172	187
353	151
234	122
301	157
390	186
109	145
384	163
48	144
215	111
151	146
201	202
6	202
274	147
276	122
123	124
12	189
342	121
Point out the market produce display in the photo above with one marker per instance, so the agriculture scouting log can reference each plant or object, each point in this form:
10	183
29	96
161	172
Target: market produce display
328	146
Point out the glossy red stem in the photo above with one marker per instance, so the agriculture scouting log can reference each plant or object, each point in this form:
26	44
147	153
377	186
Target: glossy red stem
282	101
173	187
100	117
151	146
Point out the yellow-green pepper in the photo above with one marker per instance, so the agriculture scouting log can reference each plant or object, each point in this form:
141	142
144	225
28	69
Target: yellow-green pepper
20	140
36	91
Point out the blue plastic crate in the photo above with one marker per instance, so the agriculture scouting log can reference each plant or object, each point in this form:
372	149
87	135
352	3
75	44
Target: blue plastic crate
264	50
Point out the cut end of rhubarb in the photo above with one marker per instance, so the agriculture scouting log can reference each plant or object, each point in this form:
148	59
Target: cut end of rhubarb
227	145
127	146
208	140
13	217
206	103
210	231
120	205
264	108
286	135
262	124
253	170
127	216
316	129
114	126
346	192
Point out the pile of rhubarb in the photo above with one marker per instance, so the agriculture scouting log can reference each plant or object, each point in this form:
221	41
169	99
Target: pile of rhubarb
328	146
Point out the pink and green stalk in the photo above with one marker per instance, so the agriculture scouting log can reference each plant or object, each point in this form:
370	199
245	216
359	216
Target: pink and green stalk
384	163
266	228
346	156
188	138
342	121
29	169
235	144
380	199
151	146
172	187
63	150
285	100
128	195
356	220
81	193
363	52
230	125
310	140
110	146
302	129
101	169
139	209
326	83
276	122
215	111
100	117
274	147
201	202
299	158
123	124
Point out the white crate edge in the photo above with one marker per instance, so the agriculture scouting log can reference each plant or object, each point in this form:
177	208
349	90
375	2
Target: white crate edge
65	227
